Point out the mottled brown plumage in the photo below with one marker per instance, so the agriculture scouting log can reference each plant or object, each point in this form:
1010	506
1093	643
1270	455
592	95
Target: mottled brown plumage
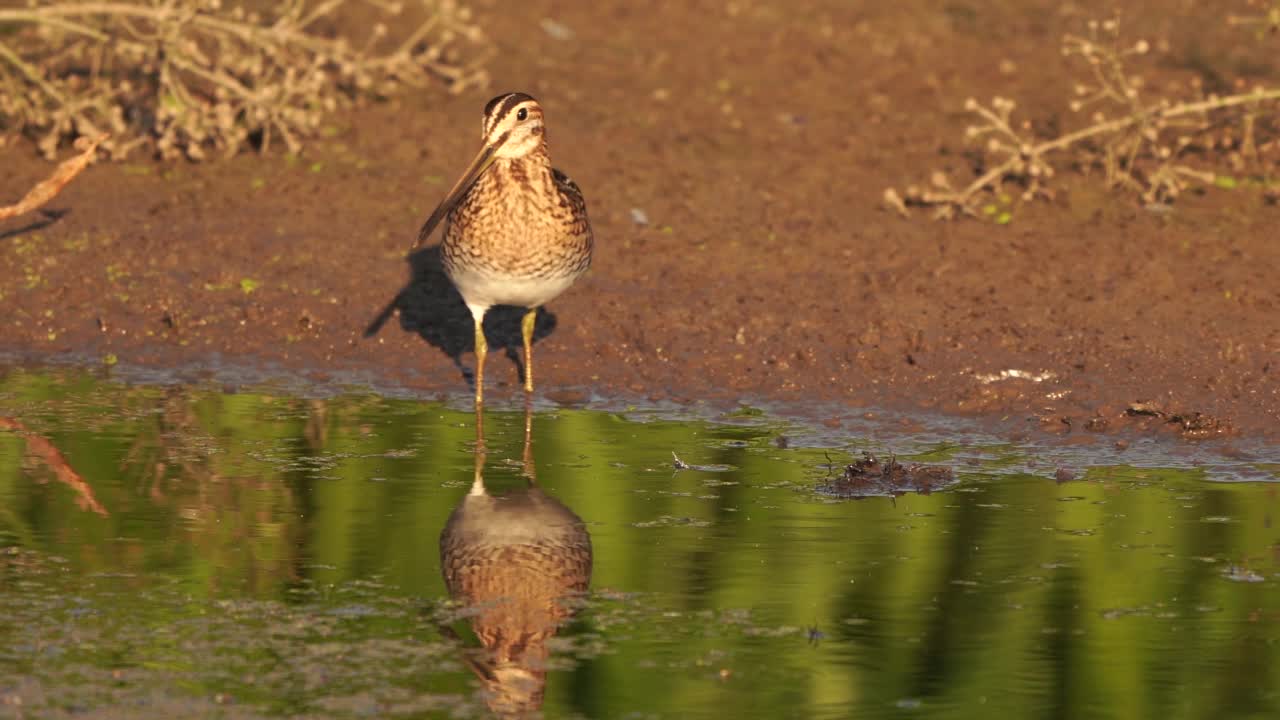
522	221
519	560
516	229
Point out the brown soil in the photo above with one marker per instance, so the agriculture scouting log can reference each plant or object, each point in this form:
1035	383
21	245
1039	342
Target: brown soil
757	137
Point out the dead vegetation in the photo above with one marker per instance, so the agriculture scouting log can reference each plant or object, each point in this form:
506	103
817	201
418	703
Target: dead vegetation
47	189
869	476
1190	424
1143	142
190	78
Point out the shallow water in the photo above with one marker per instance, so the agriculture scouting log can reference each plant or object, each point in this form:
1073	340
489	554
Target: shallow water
184	551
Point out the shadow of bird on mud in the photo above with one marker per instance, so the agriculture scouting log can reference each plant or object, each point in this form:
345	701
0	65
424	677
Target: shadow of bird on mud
48	217
430	306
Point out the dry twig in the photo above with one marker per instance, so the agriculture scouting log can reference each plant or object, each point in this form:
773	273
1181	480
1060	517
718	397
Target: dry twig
1142	146
186	77
46	189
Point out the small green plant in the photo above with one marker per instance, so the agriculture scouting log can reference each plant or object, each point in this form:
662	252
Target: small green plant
1153	147
186	78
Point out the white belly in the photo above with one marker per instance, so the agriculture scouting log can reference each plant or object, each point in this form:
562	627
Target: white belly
481	290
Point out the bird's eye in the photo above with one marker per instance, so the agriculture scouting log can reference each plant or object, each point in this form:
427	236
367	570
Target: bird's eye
522	113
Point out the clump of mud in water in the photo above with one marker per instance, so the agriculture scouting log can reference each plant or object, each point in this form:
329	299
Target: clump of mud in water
1191	424
869	477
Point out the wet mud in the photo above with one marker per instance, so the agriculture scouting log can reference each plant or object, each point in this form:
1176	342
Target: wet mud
733	156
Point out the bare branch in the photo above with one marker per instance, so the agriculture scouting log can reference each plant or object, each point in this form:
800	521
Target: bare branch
188	77
47	189
1142	150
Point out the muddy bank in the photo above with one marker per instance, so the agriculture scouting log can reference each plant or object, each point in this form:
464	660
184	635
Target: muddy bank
756	143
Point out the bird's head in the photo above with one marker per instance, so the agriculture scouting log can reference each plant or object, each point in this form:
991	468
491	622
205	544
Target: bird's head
512	129
513	125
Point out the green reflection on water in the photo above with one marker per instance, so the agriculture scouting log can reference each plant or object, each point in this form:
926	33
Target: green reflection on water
179	551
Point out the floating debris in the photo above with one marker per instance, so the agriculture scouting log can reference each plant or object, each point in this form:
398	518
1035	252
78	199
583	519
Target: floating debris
672	521
1236	573
1121	612
869	477
679	464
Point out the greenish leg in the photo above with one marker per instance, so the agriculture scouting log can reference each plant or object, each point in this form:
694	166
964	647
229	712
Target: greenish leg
526	330
482	349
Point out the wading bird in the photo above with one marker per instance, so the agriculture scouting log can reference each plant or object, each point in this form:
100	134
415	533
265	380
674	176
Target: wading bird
516	230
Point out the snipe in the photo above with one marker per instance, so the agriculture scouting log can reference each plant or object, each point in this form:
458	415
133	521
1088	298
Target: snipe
515	228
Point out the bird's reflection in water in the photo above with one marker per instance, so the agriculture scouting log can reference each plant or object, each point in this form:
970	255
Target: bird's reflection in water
518	561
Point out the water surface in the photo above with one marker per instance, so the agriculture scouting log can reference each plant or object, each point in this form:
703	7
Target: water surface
186	551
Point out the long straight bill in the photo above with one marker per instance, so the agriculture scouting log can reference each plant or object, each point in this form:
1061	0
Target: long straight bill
482	162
